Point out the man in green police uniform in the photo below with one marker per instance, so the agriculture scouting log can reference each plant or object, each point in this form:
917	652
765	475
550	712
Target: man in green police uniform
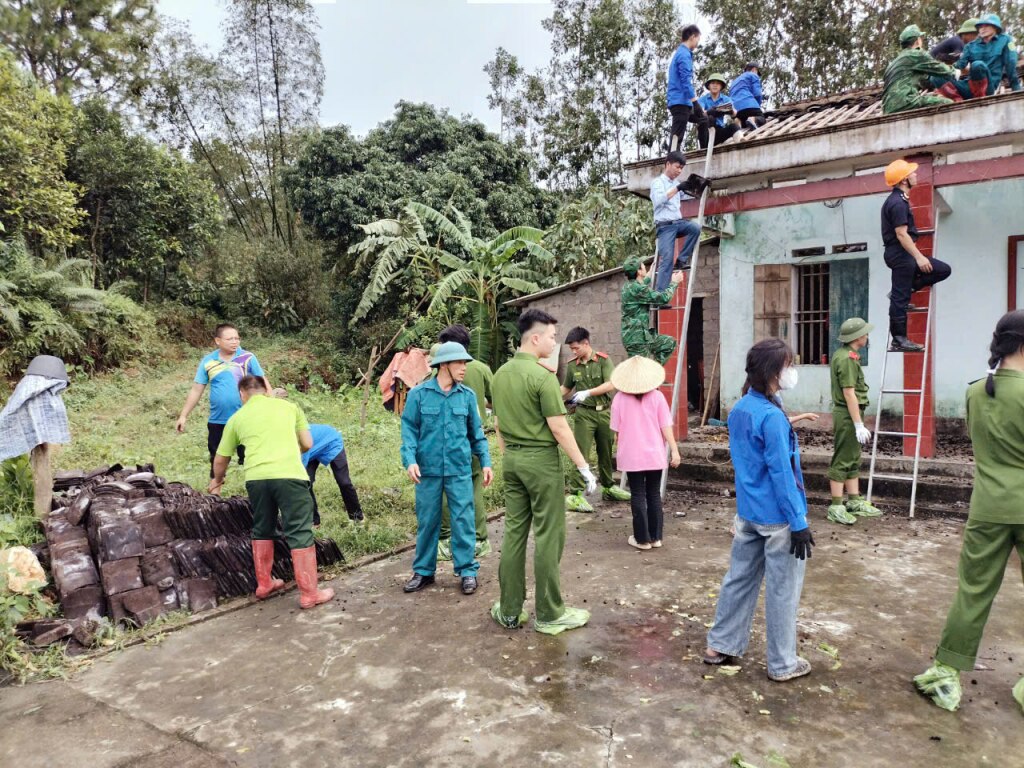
478	378
590	374
275	434
529	418
849	399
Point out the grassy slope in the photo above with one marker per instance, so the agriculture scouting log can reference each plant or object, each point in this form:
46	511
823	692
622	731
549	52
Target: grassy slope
128	416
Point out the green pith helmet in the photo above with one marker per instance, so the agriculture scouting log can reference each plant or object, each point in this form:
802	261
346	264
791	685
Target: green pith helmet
853	329
450	352
716	77
992	20
968	27
631	266
910	33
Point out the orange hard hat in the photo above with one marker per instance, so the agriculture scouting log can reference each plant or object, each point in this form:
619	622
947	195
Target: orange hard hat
897	171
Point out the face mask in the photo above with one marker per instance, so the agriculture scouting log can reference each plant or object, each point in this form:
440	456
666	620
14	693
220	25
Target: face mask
789	378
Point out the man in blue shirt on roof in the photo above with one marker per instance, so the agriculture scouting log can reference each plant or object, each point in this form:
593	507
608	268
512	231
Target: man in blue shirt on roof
718	108
666	194
329	449
222	369
747	97
681	96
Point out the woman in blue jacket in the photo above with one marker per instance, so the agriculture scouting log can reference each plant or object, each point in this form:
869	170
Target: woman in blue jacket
772	540
747	97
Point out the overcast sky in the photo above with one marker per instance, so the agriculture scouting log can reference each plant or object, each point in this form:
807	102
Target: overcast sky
378	52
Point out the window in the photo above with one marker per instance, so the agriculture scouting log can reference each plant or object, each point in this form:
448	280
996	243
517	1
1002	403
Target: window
810	316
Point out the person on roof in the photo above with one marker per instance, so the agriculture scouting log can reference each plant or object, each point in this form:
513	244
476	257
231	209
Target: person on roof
991	57
718	107
912	70
681	96
911	269
949	50
747	97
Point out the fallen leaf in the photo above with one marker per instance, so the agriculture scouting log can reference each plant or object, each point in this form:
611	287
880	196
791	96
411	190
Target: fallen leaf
728	669
824	689
764	711
708	677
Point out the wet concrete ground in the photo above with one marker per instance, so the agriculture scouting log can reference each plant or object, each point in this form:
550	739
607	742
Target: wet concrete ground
379	678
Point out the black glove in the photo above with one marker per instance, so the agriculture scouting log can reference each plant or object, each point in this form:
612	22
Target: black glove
800	543
694	185
714	113
697	115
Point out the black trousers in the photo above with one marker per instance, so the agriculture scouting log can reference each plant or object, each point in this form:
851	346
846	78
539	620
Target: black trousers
743	114
722	134
645	501
907	277
339	467
681	115
214	432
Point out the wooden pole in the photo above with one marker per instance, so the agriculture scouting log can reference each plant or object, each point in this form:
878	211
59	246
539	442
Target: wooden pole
42	478
367	378
711	388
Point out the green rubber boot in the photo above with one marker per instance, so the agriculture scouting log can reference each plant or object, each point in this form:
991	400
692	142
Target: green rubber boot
483	548
862	508
941	684
573	618
1018	693
614	493
837	513
508	622
576	502
444	550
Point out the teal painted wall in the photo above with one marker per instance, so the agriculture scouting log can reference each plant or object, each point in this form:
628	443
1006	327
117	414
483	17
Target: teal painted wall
973	239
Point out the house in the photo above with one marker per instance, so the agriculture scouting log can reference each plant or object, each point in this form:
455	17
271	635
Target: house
796	204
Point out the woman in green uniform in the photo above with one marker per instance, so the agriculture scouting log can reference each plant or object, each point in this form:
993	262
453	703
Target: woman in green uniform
995	526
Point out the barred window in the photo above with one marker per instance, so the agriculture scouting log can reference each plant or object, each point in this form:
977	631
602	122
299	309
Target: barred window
812	313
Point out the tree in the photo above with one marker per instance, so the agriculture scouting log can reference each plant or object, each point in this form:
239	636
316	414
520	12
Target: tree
437	254
340	182
503	74
85	46
36	200
149	210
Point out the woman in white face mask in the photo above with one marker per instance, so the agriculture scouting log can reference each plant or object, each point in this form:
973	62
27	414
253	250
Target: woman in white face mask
772	539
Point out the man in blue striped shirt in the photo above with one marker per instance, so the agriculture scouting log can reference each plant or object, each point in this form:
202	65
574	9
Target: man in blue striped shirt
666	195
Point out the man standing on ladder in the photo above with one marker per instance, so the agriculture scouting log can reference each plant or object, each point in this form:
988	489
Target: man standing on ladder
911	270
849	400
666	195
637	299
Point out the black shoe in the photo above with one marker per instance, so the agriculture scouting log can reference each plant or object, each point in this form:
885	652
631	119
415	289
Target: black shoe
903	344
469	585
418	582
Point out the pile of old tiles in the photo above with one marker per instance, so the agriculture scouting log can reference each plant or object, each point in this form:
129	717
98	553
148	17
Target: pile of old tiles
127	545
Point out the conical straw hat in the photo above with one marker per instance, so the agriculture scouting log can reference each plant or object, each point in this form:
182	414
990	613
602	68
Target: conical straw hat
638	375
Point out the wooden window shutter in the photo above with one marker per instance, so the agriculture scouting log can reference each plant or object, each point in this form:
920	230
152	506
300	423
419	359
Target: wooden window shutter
848	297
773	301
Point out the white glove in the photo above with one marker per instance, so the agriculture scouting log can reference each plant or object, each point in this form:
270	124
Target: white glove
863	433
580	396
588	478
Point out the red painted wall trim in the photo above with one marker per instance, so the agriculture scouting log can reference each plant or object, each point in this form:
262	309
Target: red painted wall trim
1011	266
853	186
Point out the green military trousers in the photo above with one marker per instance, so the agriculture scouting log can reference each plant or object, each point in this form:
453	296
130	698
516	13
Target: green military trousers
845	464
292	500
658	347
534	496
591	426
478	503
983	556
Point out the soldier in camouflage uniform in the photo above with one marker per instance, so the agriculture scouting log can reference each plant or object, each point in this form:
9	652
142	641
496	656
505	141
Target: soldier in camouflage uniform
913	70
637	299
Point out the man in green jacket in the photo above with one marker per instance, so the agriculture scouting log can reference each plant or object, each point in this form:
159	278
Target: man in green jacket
849	400
990	57
911	71
637	299
478	378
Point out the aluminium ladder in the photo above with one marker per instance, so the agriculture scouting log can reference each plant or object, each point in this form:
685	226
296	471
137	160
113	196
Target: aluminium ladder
919	392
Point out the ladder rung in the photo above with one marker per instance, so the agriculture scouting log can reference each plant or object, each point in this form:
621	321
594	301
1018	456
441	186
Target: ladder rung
894	477
890	351
900	391
898	434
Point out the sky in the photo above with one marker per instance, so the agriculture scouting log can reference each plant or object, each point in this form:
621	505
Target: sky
378	52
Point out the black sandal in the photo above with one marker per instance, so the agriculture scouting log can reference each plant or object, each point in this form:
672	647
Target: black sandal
721	658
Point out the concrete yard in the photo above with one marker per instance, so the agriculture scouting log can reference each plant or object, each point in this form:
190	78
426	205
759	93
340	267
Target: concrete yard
379	678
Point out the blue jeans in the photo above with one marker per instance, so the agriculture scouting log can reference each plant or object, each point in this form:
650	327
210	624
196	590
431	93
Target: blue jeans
458	491
760	551
666	233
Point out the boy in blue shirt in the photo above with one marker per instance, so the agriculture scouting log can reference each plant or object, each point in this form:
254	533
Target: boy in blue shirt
680	94
719	109
441	432
329	449
222	369
747	97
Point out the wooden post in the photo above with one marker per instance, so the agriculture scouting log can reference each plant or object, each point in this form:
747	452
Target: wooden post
711	388
42	478
367	378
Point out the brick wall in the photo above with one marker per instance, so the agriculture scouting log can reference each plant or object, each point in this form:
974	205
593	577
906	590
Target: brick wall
596	306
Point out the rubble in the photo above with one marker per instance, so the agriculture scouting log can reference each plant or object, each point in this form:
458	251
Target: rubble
126	546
